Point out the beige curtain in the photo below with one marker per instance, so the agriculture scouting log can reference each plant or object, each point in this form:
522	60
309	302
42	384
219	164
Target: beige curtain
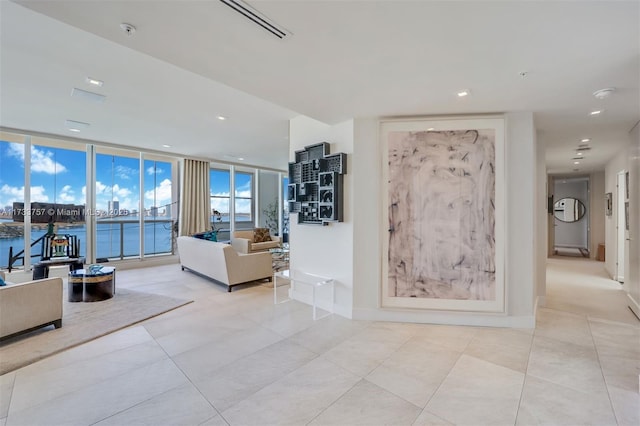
195	201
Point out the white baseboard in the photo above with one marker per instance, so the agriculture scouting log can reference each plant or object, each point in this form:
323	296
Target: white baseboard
447	318
634	306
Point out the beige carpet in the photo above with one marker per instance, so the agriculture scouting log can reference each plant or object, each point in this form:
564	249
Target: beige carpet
82	322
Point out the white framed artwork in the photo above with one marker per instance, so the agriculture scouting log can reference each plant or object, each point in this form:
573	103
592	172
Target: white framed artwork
443	213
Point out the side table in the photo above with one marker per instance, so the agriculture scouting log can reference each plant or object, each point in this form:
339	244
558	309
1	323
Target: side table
316	282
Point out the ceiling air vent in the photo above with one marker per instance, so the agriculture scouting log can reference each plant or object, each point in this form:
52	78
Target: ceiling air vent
256	17
583	148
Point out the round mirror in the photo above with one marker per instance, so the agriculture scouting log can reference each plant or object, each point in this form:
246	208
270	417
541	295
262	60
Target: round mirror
569	209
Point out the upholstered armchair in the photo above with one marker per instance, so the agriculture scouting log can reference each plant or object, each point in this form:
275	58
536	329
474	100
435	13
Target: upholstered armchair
246	241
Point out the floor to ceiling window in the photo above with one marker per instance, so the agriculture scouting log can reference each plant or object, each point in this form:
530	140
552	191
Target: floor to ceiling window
158	206
11	191
58	189
244	199
117	204
219	182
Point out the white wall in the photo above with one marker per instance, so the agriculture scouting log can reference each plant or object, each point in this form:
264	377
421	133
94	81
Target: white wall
522	270
541	216
267	193
326	250
521	238
632	279
617	164
597	212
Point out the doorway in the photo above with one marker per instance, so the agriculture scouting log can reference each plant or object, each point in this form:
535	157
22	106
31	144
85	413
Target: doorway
571	216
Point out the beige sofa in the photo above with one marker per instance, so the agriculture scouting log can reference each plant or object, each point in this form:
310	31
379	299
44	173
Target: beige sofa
222	263
242	241
30	305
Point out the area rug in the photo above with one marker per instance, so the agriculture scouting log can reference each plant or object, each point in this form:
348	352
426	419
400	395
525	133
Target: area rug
82	322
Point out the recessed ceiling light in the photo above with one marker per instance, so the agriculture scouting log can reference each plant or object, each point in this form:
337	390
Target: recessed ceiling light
463	93
585	140
240	158
579	153
95	82
87	96
222	117
604	93
596	112
576	162
430	129
164	145
75	126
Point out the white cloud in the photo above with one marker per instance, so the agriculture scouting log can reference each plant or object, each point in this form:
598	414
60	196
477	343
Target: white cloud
121	192
66	195
124	172
154	171
12	194
41	160
161	193
220	204
16	150
116	190
244	193
243	206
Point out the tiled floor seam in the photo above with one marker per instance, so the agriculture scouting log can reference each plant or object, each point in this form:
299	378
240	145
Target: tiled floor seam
135	405
442	382
92	384
257	390
526	374
188	380
604	378
335	400
13	384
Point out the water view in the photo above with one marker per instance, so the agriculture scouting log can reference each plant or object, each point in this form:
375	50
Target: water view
115	239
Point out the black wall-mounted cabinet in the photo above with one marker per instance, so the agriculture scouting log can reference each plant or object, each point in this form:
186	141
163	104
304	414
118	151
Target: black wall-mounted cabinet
315	185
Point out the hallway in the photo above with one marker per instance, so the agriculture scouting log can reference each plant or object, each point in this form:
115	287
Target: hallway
582	286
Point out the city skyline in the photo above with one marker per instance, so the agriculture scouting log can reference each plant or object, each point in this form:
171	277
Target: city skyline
58	176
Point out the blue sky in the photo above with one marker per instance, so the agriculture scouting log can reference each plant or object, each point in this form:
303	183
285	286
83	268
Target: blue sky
59	175
219	184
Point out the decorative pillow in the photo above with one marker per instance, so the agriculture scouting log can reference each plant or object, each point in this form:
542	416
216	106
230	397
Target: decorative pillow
261	235
209	236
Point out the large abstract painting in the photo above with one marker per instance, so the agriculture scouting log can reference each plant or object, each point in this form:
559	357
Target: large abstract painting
441	215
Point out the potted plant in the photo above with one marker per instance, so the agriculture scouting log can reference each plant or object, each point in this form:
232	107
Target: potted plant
271	221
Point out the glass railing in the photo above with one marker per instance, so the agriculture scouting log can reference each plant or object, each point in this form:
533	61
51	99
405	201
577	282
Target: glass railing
116	238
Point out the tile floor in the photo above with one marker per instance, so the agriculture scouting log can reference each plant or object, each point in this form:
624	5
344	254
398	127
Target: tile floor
235	358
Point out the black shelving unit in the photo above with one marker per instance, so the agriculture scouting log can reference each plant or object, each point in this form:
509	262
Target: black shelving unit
315	189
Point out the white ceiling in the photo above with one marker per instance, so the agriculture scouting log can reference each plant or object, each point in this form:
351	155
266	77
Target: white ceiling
345	59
